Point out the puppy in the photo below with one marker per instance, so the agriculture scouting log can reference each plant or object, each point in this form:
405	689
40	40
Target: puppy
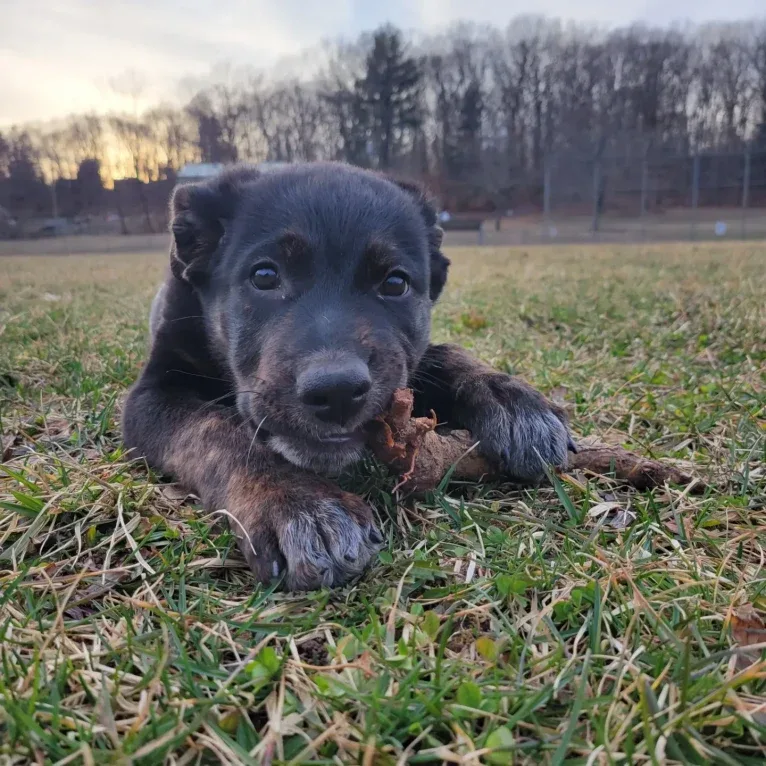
295	304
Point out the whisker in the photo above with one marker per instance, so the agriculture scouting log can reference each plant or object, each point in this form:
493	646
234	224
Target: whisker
212	402
252	442
428	379
425	375
198	375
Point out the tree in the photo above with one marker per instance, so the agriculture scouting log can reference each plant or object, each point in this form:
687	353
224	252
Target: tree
347	116
454	84
90	187
390	96
759	65
731	61
289	119
23	192
139	145
5	156
218	111
85	136
173	131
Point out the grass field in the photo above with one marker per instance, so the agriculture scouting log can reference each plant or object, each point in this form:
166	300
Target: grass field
499	626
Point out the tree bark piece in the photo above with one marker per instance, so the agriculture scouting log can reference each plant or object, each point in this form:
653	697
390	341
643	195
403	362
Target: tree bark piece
421	456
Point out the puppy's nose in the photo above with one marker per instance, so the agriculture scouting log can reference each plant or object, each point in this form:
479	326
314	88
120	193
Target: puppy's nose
335	392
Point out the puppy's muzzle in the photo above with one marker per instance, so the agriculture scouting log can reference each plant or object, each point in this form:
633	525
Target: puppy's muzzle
334	391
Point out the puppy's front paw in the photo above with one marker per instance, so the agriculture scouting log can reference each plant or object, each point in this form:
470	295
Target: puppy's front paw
303	528
518	427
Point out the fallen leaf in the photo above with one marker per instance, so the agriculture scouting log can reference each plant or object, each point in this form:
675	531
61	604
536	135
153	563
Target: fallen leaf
7	444
747	626
364	662
616	516
747	629
472	320
486	648
175	492
688	526
602	508
57	429
622	518
500	742
230	721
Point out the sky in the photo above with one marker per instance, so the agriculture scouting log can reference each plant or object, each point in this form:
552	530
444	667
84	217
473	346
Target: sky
59	57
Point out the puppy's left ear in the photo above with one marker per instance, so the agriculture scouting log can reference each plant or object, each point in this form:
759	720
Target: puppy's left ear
439	262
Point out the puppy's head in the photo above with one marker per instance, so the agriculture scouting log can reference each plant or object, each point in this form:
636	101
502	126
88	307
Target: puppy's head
317	284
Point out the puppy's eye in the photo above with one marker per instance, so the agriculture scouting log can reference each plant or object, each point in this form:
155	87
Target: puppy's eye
265	278
395	285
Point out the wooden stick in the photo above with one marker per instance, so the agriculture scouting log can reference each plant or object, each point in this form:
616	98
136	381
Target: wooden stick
421	457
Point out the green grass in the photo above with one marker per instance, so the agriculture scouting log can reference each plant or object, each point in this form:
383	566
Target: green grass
499	626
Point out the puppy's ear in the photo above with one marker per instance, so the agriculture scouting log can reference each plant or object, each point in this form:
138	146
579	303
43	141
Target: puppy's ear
198	213
439	262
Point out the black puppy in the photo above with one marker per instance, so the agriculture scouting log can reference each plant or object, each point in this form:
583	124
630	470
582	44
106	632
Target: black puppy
295	304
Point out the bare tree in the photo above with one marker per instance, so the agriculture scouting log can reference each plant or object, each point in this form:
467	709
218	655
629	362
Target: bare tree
347	116
173	131
219	112
759	67
139	146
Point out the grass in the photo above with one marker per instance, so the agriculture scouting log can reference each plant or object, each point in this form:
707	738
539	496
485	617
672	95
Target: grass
499	626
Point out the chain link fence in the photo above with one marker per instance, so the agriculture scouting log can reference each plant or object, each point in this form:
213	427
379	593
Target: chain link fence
629	195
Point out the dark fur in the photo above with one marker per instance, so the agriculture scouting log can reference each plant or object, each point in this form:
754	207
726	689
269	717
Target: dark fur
217	405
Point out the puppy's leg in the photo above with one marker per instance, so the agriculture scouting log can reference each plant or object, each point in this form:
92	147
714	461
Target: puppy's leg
515	424
287	521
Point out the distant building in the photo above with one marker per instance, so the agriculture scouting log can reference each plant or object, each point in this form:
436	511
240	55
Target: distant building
199	171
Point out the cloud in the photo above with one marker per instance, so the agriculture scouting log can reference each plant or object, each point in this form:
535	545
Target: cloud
604	12
60	57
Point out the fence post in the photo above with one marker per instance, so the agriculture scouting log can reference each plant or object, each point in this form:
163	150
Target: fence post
745	190
644	192
596	196
695	193
546	195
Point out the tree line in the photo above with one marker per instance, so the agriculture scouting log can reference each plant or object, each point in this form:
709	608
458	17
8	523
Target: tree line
480	113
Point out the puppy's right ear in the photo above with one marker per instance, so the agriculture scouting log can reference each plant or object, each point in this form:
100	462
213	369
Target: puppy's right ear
199	214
